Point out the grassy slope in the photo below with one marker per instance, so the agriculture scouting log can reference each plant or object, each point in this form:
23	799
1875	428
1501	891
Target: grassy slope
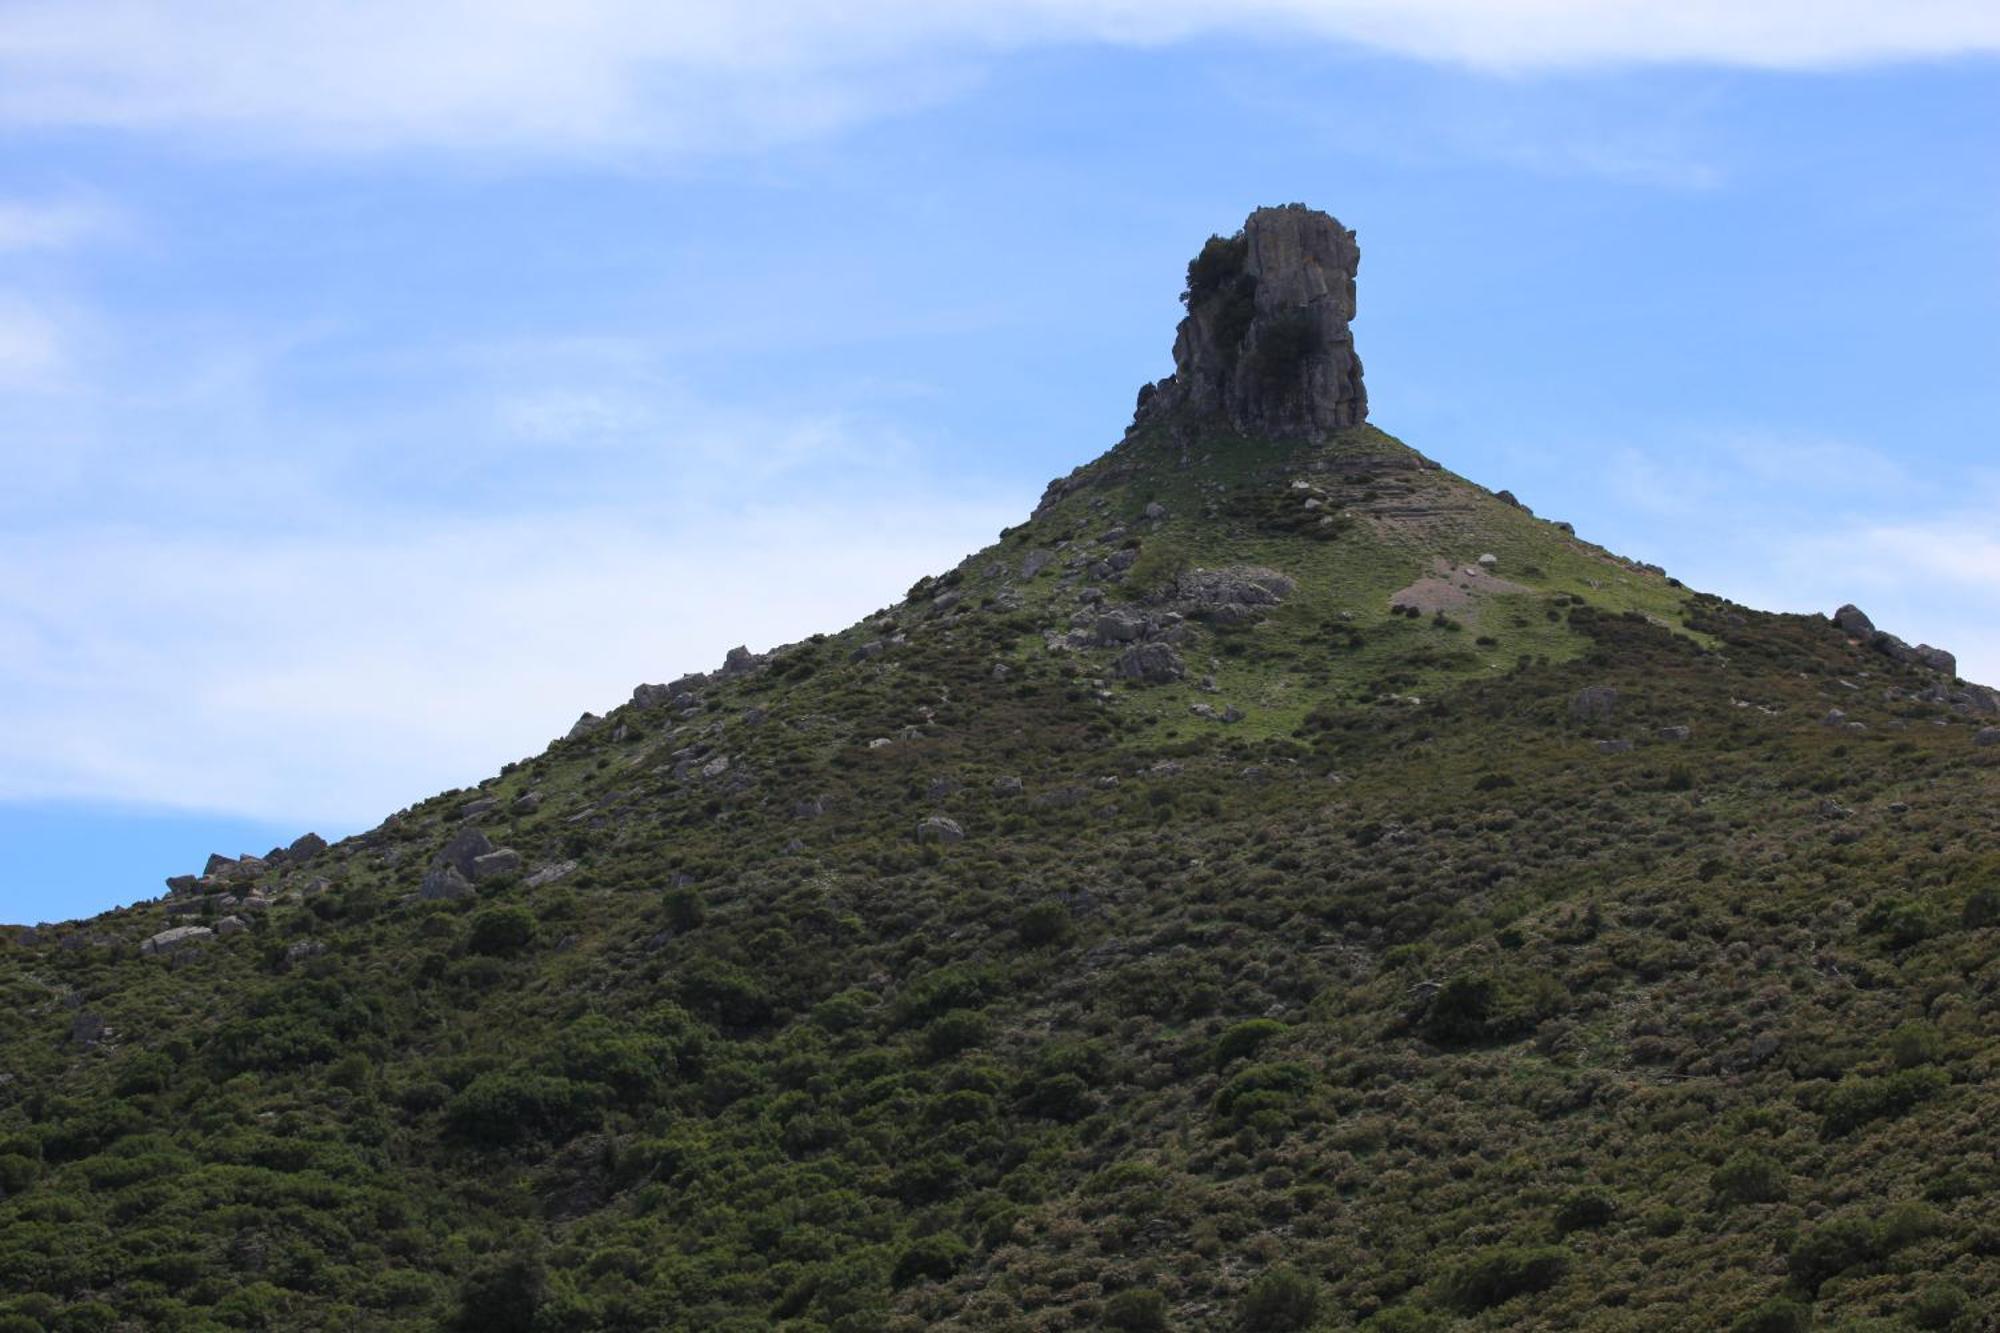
1522	1002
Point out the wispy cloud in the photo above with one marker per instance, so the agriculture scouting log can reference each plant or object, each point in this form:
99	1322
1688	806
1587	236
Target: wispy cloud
33	347
53	224
620	75
209	600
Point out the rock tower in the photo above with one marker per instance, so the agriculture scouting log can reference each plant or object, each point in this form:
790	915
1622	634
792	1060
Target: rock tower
1266	345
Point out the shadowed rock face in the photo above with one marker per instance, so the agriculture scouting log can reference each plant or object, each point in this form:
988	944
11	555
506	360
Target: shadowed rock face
1265	344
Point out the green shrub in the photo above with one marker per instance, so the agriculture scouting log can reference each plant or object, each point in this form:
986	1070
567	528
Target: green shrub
1500	1273
1915	1044
1831	1248
1279	1301
500	931
1245	1039
1045	923
1940	1305
1777	1315
933	1259
1982	908
1587	1210
1136	1310
17	1173
1857	1100
502	1296
683	908
1749	1177
1900	921
503	1108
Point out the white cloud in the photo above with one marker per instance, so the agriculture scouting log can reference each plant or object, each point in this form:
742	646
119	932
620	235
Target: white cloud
51	224
595	75
32	345
335	678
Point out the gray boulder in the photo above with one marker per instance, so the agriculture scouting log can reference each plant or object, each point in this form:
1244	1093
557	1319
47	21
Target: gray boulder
1150	663
231	925
939	829
174	940
586	724
548	874
1232	595
478	806
1675	733
1594	702
1854	621
1937	659
1034	562
305	847
1987	736
495	864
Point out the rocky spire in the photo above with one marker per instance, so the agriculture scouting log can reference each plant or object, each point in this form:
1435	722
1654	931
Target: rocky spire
1265	345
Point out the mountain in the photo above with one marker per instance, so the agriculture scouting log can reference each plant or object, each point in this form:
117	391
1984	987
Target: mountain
1278	885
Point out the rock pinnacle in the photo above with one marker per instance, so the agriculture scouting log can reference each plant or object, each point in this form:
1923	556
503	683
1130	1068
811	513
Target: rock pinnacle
1265	345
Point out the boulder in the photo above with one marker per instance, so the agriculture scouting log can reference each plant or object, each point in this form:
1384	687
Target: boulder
1231	595
495	864
305	847
1034	562
301	950
527	803
548	874
1007	786
218	864
445	884
740	660
586	724
1156	511
1937	659
1593	703
1119	625
1854	621
1150	663
1987	736
174	940
1488	560
183	883
483	805
939	829
1675	733
231	925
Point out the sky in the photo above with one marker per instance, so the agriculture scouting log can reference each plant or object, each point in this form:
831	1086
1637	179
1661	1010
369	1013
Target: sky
383	385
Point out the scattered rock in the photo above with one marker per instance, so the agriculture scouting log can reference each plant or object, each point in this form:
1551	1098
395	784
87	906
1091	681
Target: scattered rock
939	829
872	648
527	803
484	805
548	874
1156	511
495	864
231	925
1593	702
1614	747
1488	560
1035	562
173	941
1232	595
1835	717
812	807
1680	733
301	950
1007	786
1151	663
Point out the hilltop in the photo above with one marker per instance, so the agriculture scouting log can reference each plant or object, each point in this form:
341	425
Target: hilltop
1280	884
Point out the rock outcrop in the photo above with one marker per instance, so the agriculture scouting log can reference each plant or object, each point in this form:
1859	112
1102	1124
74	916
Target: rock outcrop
1265	345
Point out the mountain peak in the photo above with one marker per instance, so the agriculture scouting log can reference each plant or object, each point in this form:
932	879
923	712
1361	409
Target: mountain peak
1265	344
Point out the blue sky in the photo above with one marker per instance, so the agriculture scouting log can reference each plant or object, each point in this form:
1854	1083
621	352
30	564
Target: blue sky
379	392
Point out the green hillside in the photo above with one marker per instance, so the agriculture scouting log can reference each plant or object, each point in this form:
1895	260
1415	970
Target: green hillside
1224	902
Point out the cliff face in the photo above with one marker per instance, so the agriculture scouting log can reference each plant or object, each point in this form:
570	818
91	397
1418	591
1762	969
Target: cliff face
1266	344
